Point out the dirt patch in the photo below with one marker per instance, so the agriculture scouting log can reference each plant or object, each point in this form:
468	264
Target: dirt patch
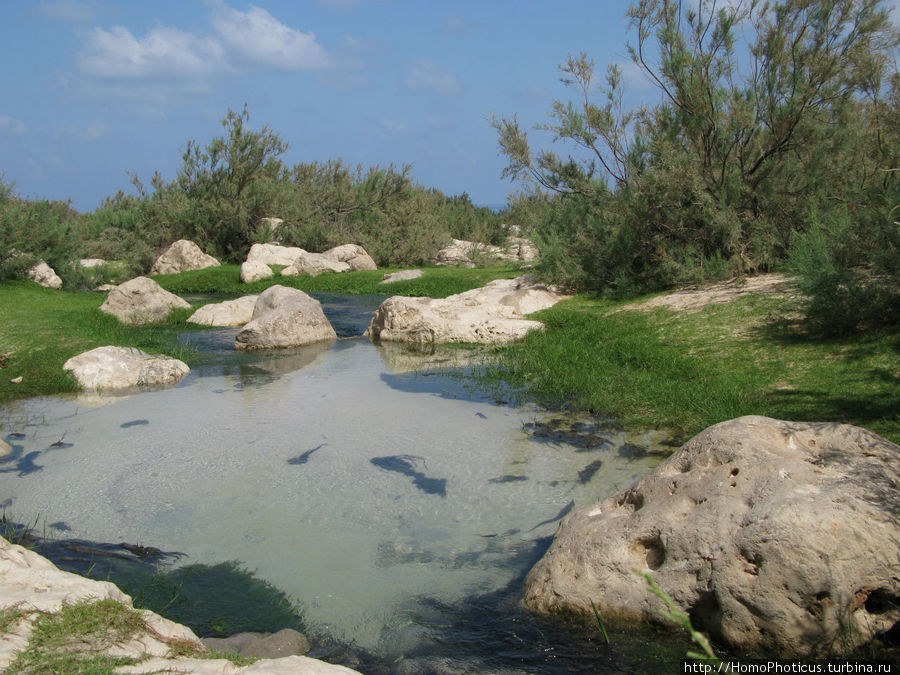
691	300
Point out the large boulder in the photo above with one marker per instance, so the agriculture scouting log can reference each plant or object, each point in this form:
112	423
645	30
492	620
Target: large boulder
462	253
273	254
182	256
491	314
352	254
254	270
112	367
775	537
314	264
225	314
44	275
141	300
284	317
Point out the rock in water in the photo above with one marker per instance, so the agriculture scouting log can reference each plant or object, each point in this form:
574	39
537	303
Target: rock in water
491	314
141	300
285	317
229	313
775	537
124	368
182	256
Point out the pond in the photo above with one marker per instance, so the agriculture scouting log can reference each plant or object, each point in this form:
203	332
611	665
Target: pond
400	507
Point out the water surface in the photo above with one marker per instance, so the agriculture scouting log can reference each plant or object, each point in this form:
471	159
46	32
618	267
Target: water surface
384	500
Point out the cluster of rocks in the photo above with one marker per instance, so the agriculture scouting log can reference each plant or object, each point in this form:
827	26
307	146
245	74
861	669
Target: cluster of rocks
344	258
463	253
34	586
775	537
492	314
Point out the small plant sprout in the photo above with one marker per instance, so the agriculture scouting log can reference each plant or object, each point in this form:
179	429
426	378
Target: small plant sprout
676	616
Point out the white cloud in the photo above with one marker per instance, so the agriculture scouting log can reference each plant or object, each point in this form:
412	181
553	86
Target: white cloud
12	126
455	25
257	37
163	53
428	76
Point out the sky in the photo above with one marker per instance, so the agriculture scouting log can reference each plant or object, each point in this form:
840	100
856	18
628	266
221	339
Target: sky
92	90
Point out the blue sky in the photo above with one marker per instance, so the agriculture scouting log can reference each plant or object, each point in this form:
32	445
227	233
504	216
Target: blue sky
92	89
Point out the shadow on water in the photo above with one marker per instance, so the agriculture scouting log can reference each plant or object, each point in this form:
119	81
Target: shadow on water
408	466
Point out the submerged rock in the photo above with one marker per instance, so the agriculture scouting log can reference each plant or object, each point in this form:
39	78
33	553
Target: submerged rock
491	314
775	537
285	317
141	300
182	256
124	368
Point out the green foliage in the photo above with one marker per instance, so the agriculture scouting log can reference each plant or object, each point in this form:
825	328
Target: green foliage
767	109
68	640
688	370
31	231
679	618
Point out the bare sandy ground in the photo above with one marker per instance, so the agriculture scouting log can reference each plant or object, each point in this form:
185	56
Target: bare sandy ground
691	300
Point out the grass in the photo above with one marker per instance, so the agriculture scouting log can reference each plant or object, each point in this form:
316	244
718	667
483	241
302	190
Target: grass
436	282
41	328
686	371
74	639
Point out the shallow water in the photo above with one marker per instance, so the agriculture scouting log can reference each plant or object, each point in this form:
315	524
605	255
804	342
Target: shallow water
386	501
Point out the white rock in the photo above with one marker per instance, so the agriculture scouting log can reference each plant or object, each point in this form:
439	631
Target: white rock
228	313
402	275
314	264
44	275
284	317
352	254
91	262
110	368
273	254
141	300
182	256
491	314
254	270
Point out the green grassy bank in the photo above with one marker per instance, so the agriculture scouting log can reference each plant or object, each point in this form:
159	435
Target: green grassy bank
679	370
688	370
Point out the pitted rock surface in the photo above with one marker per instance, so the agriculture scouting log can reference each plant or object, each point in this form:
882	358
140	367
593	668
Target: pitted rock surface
775	537
111	367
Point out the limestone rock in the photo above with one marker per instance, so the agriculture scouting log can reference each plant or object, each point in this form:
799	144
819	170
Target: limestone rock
33	585
91	262
315	264
775	537
458	253
44	275
284	317
141	300
254	270
352	254
110	368
273	254
5	448
181	256
223	314
491	314
402	275
270	226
